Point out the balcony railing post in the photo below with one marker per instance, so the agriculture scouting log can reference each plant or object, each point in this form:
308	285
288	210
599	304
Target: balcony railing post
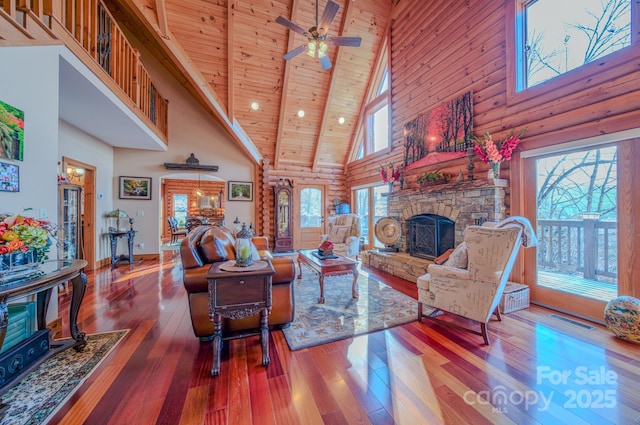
136	78
590	245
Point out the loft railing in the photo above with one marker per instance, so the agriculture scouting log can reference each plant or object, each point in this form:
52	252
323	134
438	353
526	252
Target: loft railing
93	27
587	247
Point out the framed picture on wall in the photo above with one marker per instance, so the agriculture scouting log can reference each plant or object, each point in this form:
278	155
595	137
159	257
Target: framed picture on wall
9	177
240	191
135	187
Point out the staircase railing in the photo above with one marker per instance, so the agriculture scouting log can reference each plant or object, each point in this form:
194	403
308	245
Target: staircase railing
93	27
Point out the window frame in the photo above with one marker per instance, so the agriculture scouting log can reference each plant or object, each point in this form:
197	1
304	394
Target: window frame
516	34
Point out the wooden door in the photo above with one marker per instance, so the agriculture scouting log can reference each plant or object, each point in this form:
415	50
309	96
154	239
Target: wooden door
308	215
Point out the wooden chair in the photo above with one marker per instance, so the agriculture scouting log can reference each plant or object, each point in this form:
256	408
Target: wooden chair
175	231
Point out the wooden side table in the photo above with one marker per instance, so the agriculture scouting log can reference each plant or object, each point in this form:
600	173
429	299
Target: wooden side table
237	295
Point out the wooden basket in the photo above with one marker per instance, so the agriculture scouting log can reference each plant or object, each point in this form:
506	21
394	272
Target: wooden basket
515	297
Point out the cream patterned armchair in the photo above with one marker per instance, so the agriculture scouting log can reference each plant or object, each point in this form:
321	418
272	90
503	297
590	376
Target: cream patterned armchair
474	291
344	233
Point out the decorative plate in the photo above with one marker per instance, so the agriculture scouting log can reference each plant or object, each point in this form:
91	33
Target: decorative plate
388	230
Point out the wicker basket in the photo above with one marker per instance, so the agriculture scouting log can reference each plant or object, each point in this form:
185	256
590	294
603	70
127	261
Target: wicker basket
515	297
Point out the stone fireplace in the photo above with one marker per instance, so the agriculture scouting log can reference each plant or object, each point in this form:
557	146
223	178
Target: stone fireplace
465	203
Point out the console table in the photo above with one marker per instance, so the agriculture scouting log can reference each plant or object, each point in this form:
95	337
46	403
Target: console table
113	237
237	295
18	361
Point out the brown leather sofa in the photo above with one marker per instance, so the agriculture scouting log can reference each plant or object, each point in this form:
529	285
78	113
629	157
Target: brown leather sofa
205	245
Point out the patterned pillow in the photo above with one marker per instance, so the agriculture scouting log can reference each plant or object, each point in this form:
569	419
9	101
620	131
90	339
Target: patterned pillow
459	258
338	234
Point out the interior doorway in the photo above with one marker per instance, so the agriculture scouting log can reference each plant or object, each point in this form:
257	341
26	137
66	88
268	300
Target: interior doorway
308	217
84	175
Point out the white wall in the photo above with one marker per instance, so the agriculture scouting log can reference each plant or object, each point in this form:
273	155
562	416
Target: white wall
191	130
29	81
80	146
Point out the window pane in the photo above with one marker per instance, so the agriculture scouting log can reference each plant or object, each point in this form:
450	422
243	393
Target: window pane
381	128
563	35
362	209
380	208
310	207
180	209
384	85
577	223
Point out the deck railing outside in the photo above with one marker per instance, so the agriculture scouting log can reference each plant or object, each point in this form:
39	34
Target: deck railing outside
587	247
91	24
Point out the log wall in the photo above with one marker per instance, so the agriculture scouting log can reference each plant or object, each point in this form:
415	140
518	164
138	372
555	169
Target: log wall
442	49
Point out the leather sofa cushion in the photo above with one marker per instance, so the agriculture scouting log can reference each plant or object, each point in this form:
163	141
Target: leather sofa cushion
217	244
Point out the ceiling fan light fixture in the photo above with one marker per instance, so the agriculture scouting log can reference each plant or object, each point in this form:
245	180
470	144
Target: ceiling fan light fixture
311	48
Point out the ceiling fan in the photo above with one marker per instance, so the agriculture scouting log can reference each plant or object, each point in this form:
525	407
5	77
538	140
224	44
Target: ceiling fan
317	39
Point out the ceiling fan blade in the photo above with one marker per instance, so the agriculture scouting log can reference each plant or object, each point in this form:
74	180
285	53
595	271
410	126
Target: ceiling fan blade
325	62
330	11
295	52
293	27
345	41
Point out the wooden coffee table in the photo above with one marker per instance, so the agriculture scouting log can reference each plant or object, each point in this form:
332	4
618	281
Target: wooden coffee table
329	267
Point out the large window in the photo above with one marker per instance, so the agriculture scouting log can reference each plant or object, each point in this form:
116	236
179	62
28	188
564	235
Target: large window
377	117
558	36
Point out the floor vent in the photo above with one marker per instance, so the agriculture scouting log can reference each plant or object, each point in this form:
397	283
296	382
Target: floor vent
573	322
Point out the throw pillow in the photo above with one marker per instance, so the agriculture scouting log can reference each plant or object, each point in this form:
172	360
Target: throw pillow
338	234
459	258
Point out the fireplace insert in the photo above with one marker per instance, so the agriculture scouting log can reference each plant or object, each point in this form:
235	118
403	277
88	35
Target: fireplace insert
430	235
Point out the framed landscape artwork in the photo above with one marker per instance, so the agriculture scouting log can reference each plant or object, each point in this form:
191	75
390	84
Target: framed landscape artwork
240	191
11	132
9	178
135	188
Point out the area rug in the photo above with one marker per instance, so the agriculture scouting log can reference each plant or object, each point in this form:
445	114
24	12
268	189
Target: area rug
38	396
378	307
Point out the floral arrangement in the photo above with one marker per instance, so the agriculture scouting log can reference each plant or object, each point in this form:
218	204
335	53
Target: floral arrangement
389	173
433	176
494	153
19	233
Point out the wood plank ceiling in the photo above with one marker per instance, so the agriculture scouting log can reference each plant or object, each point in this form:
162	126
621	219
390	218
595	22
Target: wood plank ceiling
237	46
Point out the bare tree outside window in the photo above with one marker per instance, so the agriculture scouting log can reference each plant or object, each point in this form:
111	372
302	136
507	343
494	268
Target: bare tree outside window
562	36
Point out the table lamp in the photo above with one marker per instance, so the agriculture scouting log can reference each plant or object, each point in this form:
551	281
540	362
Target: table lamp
117	214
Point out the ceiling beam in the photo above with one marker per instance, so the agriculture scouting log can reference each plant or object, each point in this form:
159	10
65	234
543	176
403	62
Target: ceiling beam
346	18
144	24
231	7
285	90
161	11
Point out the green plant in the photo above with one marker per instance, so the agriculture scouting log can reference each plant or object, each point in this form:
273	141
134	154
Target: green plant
433	176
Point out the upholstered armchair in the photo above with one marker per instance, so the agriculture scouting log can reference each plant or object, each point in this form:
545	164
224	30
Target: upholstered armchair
471	282
344	233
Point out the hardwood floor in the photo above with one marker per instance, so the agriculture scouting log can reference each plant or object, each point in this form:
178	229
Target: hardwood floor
537	370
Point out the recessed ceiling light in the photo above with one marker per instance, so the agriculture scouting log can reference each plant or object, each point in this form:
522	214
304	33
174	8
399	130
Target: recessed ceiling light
341	120
255	106
301	113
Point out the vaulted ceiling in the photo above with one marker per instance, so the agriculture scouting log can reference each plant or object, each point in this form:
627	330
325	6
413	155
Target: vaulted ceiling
235	48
